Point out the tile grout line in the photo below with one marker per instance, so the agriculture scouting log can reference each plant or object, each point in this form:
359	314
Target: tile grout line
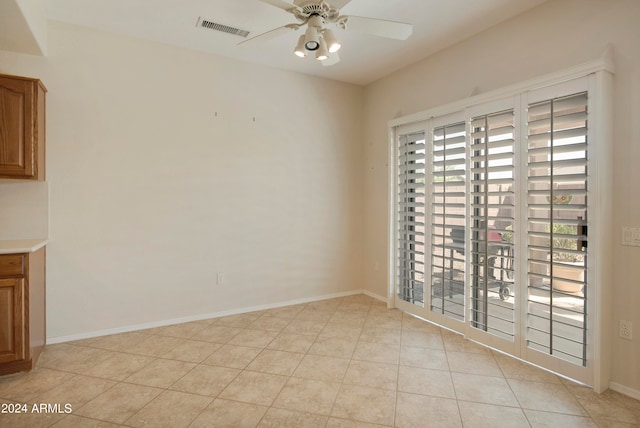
349	365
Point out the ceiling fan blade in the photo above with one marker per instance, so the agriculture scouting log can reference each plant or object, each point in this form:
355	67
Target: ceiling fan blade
272	34
379	27
281	4
333	59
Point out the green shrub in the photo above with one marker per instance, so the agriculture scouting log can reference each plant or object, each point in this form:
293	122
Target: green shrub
564	243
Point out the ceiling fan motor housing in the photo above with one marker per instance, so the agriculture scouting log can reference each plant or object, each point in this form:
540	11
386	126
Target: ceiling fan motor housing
312	9
309	9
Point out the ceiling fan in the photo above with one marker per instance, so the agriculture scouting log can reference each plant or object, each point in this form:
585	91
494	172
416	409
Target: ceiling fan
315	14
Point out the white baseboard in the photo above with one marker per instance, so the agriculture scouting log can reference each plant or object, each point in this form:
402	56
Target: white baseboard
633	393
163	323
374	295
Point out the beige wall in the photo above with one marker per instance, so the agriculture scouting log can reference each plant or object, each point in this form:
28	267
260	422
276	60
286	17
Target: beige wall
35	14
24	209
160	178
23	26
556	35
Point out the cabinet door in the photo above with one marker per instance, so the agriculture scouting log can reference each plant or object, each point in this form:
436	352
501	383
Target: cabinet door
12	346
18	143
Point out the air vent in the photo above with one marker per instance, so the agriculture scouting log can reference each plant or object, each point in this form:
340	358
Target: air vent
210	25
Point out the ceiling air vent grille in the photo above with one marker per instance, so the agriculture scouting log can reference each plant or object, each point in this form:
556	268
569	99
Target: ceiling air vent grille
210	25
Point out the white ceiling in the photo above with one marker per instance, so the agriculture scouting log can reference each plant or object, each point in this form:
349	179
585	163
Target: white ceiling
364	58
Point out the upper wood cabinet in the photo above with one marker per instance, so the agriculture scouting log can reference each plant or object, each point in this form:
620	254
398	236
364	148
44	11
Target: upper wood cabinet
22	128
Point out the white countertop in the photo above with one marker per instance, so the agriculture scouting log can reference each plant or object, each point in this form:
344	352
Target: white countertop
21	245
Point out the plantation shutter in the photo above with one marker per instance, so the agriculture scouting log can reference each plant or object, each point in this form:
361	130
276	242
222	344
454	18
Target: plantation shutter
493	223
557	227
448	193
411	217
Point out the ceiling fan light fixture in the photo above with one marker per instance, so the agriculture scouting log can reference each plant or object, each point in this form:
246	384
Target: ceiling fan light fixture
332	42
314	15
299	50
322	52
311	39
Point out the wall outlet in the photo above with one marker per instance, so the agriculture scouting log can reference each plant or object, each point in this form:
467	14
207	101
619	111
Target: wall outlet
221	278
626	331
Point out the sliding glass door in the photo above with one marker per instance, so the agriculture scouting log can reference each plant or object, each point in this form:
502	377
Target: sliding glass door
492	207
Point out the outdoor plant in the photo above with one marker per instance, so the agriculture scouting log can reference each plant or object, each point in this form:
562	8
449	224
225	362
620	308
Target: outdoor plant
562	242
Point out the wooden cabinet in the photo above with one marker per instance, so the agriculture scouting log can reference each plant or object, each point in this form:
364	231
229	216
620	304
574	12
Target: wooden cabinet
12	323
22	310
22	128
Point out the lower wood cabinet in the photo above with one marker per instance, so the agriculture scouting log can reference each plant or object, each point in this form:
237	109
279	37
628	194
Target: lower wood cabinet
22	310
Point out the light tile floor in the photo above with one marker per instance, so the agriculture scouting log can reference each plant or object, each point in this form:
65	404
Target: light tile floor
346	362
